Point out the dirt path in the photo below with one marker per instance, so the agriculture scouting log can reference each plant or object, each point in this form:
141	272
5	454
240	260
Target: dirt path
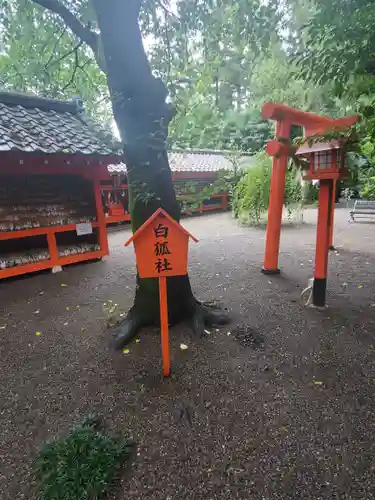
293	419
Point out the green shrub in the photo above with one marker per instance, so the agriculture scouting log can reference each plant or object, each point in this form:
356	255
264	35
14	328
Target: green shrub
310	193
81	465
368	189
251	195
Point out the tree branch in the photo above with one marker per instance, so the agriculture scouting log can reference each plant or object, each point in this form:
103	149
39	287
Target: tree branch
82	32
166	10
64	56
76	66
82	67
54	35
168	43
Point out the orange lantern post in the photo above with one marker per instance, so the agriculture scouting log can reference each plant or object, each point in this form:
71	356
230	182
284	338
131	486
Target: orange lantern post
161	249
326	164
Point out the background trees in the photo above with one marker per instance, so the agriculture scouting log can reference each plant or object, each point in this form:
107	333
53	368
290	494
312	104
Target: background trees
220	60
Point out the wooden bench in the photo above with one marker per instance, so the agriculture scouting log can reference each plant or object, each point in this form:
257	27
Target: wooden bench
362	208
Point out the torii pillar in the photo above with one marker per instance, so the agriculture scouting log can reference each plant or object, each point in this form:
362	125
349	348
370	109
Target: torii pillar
279	149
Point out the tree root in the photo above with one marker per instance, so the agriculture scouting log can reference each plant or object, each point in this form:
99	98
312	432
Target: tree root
207	315
124	332
197	323
200	315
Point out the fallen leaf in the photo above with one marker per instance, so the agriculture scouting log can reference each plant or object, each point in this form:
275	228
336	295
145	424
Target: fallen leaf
66	324
359	286
229	333
208	332
183	347
137	341
37	311
3	327
318	382
126	351
38	334
63	284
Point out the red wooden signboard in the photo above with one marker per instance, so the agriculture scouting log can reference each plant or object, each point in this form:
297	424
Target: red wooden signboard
161	250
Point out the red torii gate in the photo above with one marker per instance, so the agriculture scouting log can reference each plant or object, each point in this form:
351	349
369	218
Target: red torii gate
279	149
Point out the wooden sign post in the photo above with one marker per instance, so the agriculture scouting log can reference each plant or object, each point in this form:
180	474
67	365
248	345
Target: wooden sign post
161	250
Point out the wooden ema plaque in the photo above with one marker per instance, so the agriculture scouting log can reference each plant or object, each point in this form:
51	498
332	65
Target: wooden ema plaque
161	249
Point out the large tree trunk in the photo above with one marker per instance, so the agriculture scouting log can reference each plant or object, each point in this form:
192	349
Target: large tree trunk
142	116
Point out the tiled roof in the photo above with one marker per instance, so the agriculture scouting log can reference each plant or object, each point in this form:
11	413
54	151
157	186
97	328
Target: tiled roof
32	124
319	146
198	161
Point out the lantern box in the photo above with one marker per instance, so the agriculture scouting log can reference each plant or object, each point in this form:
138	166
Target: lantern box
325	160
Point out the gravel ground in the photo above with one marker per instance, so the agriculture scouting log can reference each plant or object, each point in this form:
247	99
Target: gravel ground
289	417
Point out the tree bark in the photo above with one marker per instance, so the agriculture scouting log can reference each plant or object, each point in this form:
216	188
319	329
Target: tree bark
142	116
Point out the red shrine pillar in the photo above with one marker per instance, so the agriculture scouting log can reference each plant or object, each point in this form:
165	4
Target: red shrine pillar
332	215
275	209
322	242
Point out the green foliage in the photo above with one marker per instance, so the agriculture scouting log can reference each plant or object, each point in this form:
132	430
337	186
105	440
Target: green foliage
203	127
338	49
191	194
368	149
368	190
340	42
80	466
251	195
40	55
274	80
366	176
293	189
219	95
309	193
221	60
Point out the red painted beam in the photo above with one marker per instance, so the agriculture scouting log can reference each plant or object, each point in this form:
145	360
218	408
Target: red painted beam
312	122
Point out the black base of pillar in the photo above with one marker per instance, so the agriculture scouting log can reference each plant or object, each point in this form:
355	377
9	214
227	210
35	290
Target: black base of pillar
331	248
270	272
319	292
